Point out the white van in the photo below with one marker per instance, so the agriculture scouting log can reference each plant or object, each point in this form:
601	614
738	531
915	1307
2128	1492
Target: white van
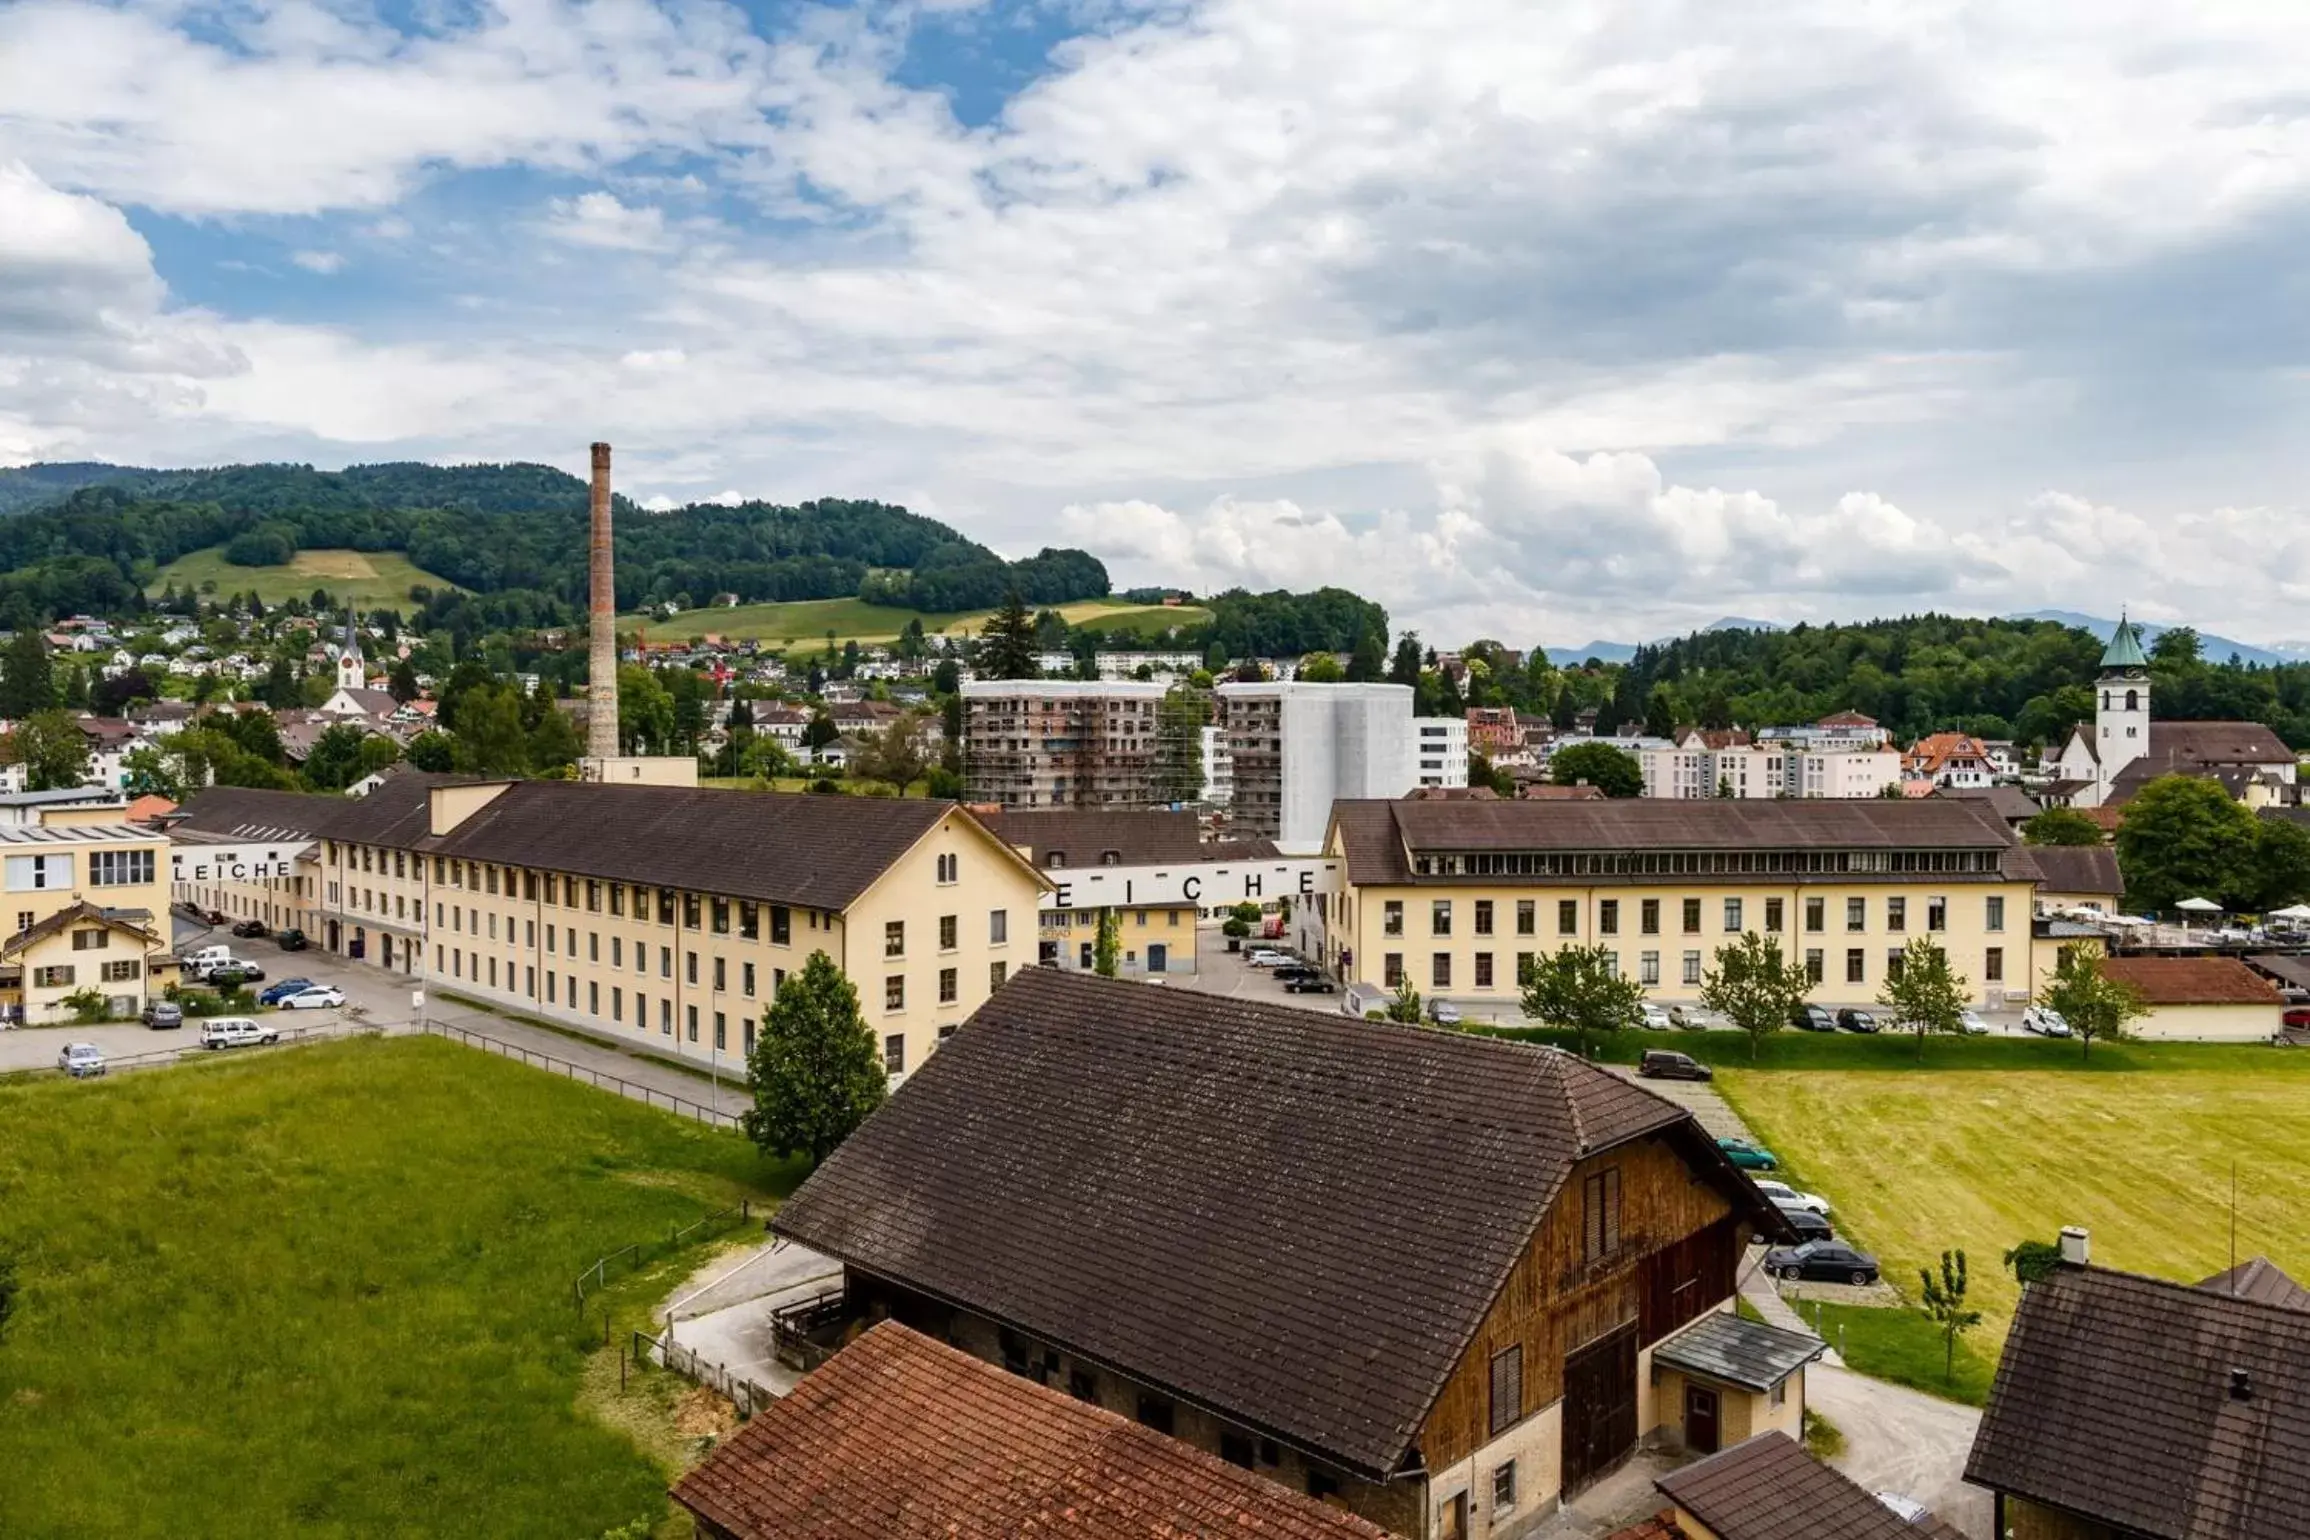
236	1032
195	961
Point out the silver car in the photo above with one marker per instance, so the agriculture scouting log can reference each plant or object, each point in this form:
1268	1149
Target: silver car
80	1060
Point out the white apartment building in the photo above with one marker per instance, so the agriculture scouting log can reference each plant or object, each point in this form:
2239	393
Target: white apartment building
1704	764
1298	747
1443	750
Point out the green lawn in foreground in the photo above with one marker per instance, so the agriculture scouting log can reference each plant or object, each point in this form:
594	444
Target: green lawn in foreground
369	579
326	1292
2139	1150
1906	1348
806	621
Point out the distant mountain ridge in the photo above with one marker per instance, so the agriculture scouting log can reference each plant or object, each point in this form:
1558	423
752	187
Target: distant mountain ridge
1621	652
26	487
2214	648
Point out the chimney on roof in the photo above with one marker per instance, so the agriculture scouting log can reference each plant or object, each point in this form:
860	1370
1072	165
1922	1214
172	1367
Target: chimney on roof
2076	1247
602	623
2241	1385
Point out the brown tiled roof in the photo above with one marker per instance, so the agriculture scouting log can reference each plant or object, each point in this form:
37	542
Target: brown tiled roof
2191	980
2078	869
83	913
1084	838
1767	1488
243	812
1543	791
1661	1526
899	1436
2012	803
1379	836
2115	1401
2201	748
1292	1218
2262	1279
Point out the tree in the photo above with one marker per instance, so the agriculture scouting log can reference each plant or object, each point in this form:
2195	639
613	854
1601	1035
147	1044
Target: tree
1404	668
1368	658
2176	648
1615	773
27	680
2033	1261
2183	837
257	733
402	682
148	772
819	731
554	743
2060	826
1107	950
2094	1004
1944	1305
334	762
1660	713
946	679
2281	869
1754	987
1404	1005
52	750
1580	989
490	738
1923	993
815	1069
1321	668
1007	646
898	754
1482	772
766	758
433	752
110	696
645	712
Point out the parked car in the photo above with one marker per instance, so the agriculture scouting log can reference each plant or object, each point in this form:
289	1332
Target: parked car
1907	1509
1812	1018
1692	1018
319	997
80	1060
2045	1021
190	910
293	940
232	973
202	957
1778	1190
1444	1013
1853	1019
1808	1225
1971	1024
1822	1262
275	993
163	1013
1309	982
213	917
2299	1016
1668	1064
1651	1017
252	929
1266	957
236	1032
1749	1155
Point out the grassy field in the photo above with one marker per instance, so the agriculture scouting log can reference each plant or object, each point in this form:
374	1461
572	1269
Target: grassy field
379	579
1996	1145
326	1292
854	620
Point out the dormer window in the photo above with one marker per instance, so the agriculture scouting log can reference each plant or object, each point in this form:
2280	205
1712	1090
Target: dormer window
1054	860
1110	858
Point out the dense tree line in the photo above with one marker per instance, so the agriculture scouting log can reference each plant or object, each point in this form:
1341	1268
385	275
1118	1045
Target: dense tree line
506	529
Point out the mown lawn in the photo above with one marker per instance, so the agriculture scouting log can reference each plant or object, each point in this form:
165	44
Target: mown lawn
365	578
1989	1145
326	1292
806	621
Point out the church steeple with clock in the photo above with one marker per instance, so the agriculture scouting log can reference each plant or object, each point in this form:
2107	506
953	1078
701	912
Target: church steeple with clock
2122	705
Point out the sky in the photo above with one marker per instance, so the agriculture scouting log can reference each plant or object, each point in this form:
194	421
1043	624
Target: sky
1538	322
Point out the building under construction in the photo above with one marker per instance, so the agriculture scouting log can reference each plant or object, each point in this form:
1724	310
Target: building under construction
1096	743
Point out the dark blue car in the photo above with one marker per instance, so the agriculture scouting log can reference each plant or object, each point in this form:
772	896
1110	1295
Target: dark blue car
281	991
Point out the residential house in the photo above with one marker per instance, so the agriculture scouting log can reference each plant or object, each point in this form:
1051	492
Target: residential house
651	914
1493	731
2203	999
1768	1488
1948	761
1456	896
899	1434
1425	1275
87	909
2134	1408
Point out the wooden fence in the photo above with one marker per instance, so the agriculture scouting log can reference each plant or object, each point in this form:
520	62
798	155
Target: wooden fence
744	1394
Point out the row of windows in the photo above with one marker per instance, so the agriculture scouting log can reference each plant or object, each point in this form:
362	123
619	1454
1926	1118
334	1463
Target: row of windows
62	975
53	871
1733	911
1693	965
1702	863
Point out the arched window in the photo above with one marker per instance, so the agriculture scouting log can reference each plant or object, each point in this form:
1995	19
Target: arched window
2105	700
2132	700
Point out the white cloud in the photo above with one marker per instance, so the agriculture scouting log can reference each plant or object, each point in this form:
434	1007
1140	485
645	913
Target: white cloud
599	219
323	262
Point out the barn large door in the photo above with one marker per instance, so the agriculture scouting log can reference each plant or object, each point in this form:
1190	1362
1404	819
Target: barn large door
1599	1407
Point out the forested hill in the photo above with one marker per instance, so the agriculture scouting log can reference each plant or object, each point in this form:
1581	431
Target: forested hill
517	531
2021	679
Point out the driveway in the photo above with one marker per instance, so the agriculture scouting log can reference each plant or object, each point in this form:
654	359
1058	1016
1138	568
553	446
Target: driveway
1902	1440
722	1312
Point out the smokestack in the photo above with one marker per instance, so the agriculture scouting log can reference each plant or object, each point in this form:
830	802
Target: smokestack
602	623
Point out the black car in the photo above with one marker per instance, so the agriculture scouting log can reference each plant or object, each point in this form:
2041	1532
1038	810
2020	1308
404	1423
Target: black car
1309	982
252	929
1667	1064
1854	1019
1810	1226
233	975
1822	1262
293	940
1288	972
1812	1018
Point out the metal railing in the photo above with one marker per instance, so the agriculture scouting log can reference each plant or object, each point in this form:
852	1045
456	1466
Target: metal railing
162	1058
791	1328
744	1394
633	1090
738	1213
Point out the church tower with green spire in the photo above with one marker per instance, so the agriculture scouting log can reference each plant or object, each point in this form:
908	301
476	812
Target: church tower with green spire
2122	704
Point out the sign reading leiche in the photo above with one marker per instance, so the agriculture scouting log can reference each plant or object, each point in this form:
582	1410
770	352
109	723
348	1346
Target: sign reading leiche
252	862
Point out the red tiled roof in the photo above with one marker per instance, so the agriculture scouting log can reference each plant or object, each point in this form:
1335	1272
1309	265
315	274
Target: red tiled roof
900	1436
2191	980
1767	1488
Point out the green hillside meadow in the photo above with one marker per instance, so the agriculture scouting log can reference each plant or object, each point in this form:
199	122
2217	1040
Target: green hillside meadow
370	579
326	1292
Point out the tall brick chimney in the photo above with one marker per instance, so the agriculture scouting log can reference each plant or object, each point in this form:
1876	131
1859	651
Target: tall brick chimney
602	623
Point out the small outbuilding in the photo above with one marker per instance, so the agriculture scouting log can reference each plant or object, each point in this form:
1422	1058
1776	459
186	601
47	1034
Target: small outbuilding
2204	999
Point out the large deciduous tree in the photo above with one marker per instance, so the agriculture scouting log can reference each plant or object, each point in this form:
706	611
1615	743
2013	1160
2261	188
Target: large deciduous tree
1924	994
2182	837
53	751
1754	986
1581	990
1610	770
2095	1005
2060	826
815	1072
